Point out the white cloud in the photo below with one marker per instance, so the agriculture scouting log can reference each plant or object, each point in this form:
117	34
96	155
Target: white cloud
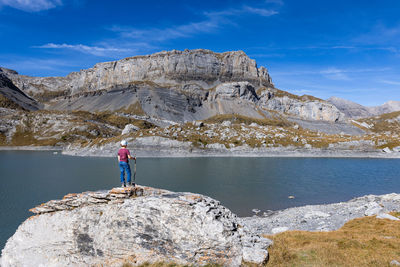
335	74
31	5
94	50
391	82
260	11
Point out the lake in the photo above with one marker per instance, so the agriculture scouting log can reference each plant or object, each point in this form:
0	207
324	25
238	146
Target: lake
29	178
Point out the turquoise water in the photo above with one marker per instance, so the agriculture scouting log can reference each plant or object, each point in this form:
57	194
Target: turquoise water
30	178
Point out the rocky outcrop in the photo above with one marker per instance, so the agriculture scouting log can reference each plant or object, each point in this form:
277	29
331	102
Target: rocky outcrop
243	90
13	97
309	110
132	226
323	217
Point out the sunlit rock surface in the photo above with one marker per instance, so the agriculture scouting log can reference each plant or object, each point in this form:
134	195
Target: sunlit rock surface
132	225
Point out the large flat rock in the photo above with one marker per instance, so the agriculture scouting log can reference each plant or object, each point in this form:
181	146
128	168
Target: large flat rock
132	225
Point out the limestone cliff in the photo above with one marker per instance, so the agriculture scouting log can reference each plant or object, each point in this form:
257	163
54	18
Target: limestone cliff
198	67
132	226
175	85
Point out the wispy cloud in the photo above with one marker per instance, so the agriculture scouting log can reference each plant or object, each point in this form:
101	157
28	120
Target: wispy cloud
162	34
335	74
332	70
391	82
94	50
131	39
388	37
31	5
260	11
35	66
214	21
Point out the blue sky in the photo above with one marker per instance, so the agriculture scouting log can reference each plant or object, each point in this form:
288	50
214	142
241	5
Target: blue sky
349	49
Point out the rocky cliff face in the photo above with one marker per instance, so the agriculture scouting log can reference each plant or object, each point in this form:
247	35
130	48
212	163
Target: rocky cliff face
200	67
176	85
11	96
305	109
132	226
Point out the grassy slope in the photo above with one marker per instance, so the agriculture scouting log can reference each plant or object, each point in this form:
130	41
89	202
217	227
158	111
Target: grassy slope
361	242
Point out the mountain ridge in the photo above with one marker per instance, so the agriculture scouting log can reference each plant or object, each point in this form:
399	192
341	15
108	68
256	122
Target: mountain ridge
354	110
176	85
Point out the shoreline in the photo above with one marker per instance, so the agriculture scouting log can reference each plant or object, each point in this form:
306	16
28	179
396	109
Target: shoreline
200	153
323	217
30	148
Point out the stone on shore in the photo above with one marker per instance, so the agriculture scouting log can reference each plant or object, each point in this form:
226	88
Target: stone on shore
323	217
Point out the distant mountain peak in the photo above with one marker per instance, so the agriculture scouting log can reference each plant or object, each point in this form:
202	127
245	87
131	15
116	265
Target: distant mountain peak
355	110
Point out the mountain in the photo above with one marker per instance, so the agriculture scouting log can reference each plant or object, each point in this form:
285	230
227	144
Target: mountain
13	97
194	100
388	107
349	108
354	110
178	86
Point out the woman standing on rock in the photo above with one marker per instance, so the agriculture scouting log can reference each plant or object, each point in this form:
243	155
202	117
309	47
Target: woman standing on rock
123	158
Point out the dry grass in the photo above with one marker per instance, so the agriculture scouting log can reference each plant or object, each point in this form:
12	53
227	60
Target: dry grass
134	109
112	119
237	119
49	95
361	242
7	103
280	93
164	264
382	123
3	139
24	137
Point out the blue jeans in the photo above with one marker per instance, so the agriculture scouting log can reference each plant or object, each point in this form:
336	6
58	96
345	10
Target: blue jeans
123	166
